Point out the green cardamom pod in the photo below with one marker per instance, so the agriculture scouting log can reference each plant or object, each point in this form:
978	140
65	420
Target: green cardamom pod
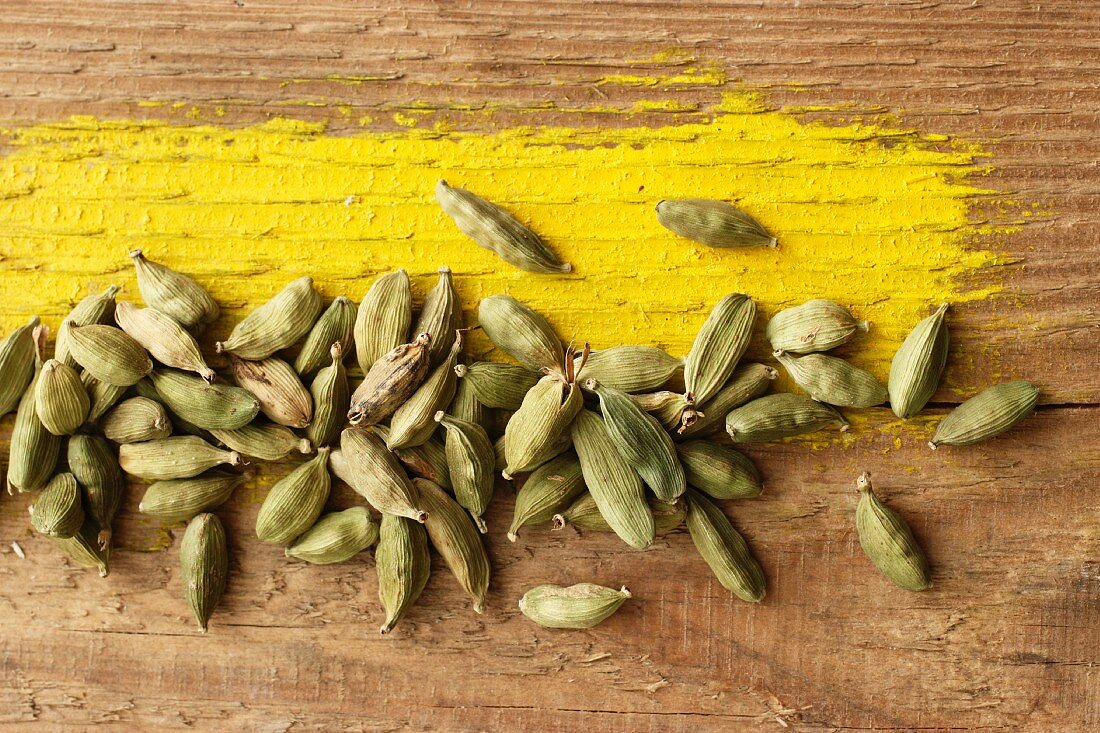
178	500
60	399
641	441
335	326
521	333
277	387
33	449
888	541
83	549
209	406
204	566
496	385
816	325
718	346
724	549
94	309
583	513
579	606
331	400
918	365
465	405
413	423
547	491
719	471
457	541
470	462
778	416
364	464
535	428
427	460
102	395
832	380
403	565
987	414
498	231
713	223
58	511
16	365
748	382
145	389
295	502
136	420
630	369
265	441
441	316
669	408
176	457
336	537
165	340
277	324
615	486
174	294
94	464
384	317
390	382
109	354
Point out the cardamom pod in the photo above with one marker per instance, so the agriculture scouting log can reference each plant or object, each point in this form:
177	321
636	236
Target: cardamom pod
718	346
668	407
83	549
204	566
427	460
630	368
136	420
441	316
145	389
295	502
615	486
209	406
265	441
583	513
987	414
548	490
335	326
165	340
176	457
713	223
414	421
277	324
718	470
641	441
367	467
918	365
336	537
778	416
403	564
832	380
178	500
559	446
60	399
579	606
465	405
331	400
521	333
277	387
174	294
724	549
16	365
391	380
816	325
58	511
95	466
384	318
470	462
547	410
748	382
102	395
456	540
109	354
888	541
498	231
496	385
98	308
33	449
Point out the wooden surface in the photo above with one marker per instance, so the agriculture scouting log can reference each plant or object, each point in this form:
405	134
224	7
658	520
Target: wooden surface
1007	639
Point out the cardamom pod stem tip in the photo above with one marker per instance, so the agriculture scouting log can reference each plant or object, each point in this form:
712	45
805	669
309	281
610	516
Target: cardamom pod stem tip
558	522
461	370
438	417
305	447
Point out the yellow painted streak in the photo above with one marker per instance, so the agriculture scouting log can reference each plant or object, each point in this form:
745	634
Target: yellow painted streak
873	217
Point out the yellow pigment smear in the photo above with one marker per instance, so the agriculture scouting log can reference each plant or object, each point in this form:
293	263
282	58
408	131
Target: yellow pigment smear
873	217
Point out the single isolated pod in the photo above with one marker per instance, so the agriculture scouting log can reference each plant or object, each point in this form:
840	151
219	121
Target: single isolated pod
204	566
918	365
277	324
336	537
816	325
174	294
713	223
724	549
579	606
888	541
987	414
403	565
383	319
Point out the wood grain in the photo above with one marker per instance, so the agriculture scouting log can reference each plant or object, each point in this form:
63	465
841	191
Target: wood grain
1009	636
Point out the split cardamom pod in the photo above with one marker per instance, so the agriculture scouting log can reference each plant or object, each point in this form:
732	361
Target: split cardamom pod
816	325
713	223
832	380
521	332
266	441
60	399
109	354
16	365
165	340
470	462
331	400
547	491
136	420
209	406
170	458
724	549
719	471
457	541
987	414
778	416
295	501
204	566
718	346
174	294
414	421
888	541
747	383
277	324
384	317
441	316
496	385
336	537
274	383
58	511
403	565
371	470
335	326
178	500
918	365
579	606
95	466
391	380
98	308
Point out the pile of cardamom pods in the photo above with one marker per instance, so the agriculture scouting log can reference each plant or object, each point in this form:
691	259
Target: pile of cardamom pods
627	439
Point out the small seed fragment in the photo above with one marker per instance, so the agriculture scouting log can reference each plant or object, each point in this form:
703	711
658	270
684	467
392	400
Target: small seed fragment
58	511
391	380
60	399
266	441
718	346
496	385
383	320
294	503
209	406
165	340
171	458
816	325
778	416
521	333
918	365
987	414
109	354
713	223
403	565
331	400
336	537
832	380
204	566
98	308
550	489
724	549
178	500
136	420
335	326
174	294
277	387
579	606
470	461
457	541
888	541
277	324
371	470
719	471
